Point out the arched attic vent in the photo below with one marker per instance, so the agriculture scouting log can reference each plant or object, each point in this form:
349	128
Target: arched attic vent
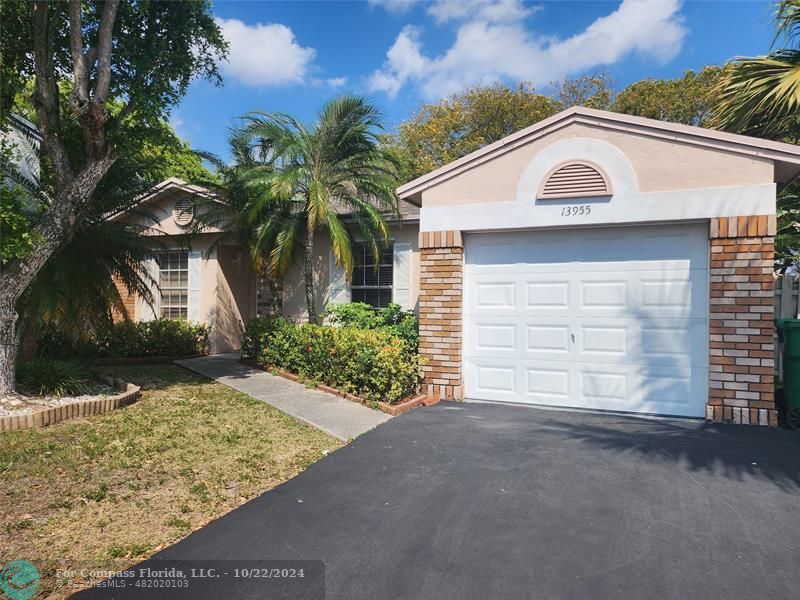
574	179
183	211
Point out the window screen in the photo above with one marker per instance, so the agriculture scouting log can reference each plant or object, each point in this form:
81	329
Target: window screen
173	279
371	284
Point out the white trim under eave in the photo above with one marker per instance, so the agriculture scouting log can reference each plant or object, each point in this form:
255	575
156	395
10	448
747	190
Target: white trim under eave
622	208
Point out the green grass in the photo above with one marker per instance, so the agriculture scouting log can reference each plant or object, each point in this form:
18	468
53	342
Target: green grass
111	489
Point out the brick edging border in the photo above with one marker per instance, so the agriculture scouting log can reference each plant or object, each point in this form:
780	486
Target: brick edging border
83	408
390	409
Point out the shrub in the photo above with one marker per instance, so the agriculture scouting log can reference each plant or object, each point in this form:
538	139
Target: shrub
371	363
45	376
160	337
255	330
393	319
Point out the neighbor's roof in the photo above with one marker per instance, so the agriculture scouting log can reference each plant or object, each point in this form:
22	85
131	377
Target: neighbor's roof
168	185
408	212
786	156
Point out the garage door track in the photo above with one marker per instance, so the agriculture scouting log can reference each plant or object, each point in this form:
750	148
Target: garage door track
480	501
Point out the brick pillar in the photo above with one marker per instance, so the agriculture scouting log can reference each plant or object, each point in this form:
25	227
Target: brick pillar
742	363
440	294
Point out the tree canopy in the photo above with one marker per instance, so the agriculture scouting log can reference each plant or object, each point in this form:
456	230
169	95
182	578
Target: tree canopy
689	99
442	132
140	53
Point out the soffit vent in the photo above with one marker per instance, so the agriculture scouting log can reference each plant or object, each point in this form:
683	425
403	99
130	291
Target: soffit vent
183	211
575	179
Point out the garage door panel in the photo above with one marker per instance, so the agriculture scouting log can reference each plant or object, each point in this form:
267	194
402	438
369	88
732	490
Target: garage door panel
493	294
495	337
545	385
641	294
673	246
662	342
547	295
494	379
570	321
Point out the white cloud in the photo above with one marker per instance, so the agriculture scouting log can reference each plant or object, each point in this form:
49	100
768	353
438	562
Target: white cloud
493	44
404	61
336	82
264	54
392	6
493	10
331	82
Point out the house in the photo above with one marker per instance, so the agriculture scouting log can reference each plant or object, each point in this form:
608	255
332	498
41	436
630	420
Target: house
593	260
204	277
604	261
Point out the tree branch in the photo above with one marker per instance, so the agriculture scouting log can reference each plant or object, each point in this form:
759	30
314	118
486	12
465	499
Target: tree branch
104	38
79	99
45	96
54	229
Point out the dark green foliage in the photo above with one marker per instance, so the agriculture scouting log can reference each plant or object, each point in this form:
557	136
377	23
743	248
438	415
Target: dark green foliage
16	238
161	337
371	363
256	330
46	376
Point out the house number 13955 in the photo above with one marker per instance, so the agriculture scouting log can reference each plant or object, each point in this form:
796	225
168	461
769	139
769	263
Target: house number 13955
576	211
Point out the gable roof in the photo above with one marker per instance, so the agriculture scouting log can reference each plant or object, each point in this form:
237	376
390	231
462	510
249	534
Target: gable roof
408	212
785	156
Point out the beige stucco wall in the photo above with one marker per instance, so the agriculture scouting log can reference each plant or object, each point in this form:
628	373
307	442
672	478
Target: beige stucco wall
228	282
659	165
294	300
159	217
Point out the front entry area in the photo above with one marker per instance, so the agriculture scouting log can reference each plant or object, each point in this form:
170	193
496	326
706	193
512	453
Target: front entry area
601	318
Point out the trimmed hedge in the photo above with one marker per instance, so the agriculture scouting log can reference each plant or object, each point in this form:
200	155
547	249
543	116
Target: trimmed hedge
392	319
372	364
160	337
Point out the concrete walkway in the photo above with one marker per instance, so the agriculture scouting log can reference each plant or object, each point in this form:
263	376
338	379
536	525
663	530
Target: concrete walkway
334	415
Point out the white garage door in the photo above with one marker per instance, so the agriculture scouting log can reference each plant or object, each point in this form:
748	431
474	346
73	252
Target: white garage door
612	319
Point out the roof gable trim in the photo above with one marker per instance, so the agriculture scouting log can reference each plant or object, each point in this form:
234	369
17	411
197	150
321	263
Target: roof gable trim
718	140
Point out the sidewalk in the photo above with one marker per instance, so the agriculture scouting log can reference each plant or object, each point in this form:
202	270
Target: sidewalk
334	415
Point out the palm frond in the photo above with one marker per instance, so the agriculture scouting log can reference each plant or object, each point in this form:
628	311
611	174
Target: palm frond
759	95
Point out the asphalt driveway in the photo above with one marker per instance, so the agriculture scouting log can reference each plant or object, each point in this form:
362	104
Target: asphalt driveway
478	501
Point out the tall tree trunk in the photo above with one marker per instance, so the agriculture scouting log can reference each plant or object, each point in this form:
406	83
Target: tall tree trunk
308	274
8	349
54	229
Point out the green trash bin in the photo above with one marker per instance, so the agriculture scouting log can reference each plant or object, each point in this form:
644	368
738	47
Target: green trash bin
789	334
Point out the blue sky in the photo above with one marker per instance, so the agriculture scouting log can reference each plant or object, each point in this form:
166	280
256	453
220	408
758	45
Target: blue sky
293	56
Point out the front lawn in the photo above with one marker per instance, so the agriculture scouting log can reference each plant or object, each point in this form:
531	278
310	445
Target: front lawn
106	491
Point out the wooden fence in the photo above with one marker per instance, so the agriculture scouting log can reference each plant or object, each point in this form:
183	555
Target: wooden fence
787	306
787	292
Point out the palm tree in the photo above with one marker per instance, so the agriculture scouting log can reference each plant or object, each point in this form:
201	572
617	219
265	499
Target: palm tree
230	207
761	95
293	181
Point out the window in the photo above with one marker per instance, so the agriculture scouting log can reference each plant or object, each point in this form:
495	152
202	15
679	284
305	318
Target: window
370	284
173	279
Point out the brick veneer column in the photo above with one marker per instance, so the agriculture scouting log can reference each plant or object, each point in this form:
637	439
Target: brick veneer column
741	329
440	293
